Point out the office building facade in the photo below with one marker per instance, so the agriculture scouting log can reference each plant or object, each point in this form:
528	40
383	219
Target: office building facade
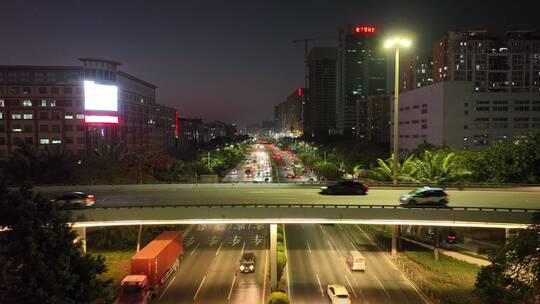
361	72
453	114
320	107
44	106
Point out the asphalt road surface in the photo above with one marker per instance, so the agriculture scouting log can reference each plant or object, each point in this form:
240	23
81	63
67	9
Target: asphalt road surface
502	198
209	271
317	254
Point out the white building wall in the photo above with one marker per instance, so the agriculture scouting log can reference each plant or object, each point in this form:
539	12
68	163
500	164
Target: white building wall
451	114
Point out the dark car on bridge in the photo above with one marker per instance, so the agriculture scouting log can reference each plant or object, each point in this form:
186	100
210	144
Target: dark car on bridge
345	188
425	196
74	200
247	262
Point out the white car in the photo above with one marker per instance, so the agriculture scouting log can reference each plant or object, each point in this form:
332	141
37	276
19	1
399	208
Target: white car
338	294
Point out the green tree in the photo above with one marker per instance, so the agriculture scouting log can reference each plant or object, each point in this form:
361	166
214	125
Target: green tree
328	170
439	166
39	261
278	297
384	171
514	273
517	161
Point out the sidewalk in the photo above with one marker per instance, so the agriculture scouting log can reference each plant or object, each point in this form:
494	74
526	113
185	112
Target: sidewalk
453	254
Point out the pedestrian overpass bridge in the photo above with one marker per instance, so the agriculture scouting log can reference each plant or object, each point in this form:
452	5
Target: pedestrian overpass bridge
275	213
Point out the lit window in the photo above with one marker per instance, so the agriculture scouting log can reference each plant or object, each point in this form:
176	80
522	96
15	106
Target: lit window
43	103
68	116
44	141
16	116
53	103
56	141
17	129
27	103
80	116
1	115
28	116
2	103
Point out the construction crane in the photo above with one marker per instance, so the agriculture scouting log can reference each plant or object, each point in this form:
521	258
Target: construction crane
306	41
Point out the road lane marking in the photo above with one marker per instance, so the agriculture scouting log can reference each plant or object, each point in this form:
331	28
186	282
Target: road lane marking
308	247
420	294
242	251
289	291
382	286
332	247
192	251
350	285
320	285
165	290
235	241
199	289
232	287
219	248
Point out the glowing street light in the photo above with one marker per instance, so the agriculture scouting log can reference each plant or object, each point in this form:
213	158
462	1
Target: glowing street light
396	43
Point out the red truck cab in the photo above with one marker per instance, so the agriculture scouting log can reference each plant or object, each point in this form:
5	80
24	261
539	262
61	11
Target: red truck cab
134	289
151	267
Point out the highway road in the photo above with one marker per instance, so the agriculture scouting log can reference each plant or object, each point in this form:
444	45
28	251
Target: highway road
284	166
316	255
257	161
209	272
227	194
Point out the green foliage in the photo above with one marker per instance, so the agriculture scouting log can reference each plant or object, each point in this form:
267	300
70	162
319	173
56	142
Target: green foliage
278	297
439	167
39	262
514	273
327	170
513	162
406	170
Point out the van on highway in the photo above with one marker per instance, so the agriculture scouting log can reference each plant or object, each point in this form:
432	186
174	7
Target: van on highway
356	260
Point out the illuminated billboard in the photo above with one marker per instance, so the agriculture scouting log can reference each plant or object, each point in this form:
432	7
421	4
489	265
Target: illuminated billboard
107	119
100	97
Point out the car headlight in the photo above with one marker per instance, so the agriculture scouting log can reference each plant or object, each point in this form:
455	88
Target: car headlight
242	267
250	267
324	187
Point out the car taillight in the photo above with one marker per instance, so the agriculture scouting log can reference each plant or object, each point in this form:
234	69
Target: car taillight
366	186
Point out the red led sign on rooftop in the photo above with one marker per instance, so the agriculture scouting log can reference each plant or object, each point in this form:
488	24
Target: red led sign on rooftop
365	29
299	92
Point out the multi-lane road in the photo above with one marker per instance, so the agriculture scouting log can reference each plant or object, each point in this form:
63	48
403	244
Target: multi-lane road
209	271
316	258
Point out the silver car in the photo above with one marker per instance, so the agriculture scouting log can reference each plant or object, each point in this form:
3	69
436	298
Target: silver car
425	196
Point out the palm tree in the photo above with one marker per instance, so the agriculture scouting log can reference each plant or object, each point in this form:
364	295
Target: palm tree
406	170
439	167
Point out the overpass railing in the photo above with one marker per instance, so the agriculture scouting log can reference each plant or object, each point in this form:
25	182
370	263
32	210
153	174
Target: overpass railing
308	205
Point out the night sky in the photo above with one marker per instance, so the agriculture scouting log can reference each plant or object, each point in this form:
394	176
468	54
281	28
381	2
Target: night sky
227	60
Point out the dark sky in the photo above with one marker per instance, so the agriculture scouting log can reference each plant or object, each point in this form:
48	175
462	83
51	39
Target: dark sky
229	60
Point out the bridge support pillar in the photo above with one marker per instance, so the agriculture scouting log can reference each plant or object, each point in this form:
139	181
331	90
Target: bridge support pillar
273	256
394	240
139	238
81	236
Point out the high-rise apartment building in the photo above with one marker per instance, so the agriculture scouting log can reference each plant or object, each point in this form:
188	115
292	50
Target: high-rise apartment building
361	72
45	106
288	114
417	72
494	62
320	107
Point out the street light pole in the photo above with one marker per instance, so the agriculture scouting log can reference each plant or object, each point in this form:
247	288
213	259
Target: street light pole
396	43
396	112
208	160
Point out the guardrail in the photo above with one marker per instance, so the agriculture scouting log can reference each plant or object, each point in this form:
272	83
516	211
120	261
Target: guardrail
314	183
318	205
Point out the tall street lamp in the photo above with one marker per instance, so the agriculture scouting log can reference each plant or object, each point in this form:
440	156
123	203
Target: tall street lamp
396	43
